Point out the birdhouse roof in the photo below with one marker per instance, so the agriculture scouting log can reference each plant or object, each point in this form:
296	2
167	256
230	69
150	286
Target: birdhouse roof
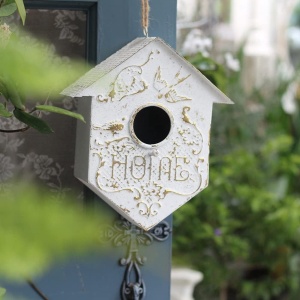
78	87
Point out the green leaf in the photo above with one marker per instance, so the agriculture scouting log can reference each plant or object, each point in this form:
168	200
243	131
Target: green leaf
37	71
4	112
3	89
13	95
32	121
59	110
37	230
8	10
2	292
21	9
6	2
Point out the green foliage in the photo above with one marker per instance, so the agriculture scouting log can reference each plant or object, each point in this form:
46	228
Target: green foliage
12	94
59	110
242	231
4	112
295	18
8	8
37	230
2	293
32	121
36	72
21	10
26	72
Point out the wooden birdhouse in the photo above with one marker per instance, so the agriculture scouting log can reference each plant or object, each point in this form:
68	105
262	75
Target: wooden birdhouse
145	146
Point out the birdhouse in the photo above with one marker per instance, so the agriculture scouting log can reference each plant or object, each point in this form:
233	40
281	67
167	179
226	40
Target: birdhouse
145	146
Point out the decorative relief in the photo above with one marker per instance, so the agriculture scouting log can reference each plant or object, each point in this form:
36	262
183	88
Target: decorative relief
123	233
112	127
126	166
191	135
168	90
128	82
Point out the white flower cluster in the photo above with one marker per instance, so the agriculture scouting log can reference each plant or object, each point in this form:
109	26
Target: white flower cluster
196	42
232	63
288	99
4	34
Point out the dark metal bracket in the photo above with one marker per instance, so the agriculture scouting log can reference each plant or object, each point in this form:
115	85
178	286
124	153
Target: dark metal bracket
123	233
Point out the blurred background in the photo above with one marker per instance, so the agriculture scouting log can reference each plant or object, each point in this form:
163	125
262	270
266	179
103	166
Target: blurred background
242	232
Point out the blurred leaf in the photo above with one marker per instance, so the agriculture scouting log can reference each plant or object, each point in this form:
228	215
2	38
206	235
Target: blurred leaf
280	187
59	110
8	9
37	230
4	112
14	95
32	121
35	70
3	88
2	293
21	10
6	2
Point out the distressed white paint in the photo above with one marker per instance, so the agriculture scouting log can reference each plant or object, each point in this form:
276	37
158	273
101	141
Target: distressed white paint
144	182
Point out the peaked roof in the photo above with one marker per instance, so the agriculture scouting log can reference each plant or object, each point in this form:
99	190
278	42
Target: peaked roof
75	89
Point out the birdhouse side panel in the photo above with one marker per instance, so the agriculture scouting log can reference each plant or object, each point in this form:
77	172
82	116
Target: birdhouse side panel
82	153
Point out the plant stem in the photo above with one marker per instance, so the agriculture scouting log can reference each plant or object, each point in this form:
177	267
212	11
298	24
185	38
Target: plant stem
223	291
15	130
37	290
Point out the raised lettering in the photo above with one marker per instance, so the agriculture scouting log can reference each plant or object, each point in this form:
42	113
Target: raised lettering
138	167
180	173
118	163
165	165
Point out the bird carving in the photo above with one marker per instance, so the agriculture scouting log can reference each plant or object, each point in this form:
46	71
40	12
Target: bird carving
168	90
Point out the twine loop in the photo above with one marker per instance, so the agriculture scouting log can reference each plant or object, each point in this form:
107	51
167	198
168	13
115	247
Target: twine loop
145	16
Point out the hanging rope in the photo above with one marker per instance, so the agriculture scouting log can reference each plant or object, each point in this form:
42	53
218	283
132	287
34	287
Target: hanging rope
145	16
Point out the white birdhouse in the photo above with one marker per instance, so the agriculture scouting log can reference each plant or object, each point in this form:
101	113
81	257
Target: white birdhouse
145	146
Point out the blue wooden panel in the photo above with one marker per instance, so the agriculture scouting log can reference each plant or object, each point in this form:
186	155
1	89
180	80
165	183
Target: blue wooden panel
120	23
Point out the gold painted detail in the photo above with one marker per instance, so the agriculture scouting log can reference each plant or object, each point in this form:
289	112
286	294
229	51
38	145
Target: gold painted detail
190	134
123	167
185	117
167	90
128	82
114	127
148	210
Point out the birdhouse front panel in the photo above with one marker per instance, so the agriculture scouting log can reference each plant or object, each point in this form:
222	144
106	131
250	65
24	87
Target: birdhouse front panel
149	134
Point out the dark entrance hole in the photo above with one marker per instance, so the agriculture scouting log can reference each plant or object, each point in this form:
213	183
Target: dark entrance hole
152	125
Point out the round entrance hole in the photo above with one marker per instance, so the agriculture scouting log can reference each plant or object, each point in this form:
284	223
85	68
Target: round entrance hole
151	125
